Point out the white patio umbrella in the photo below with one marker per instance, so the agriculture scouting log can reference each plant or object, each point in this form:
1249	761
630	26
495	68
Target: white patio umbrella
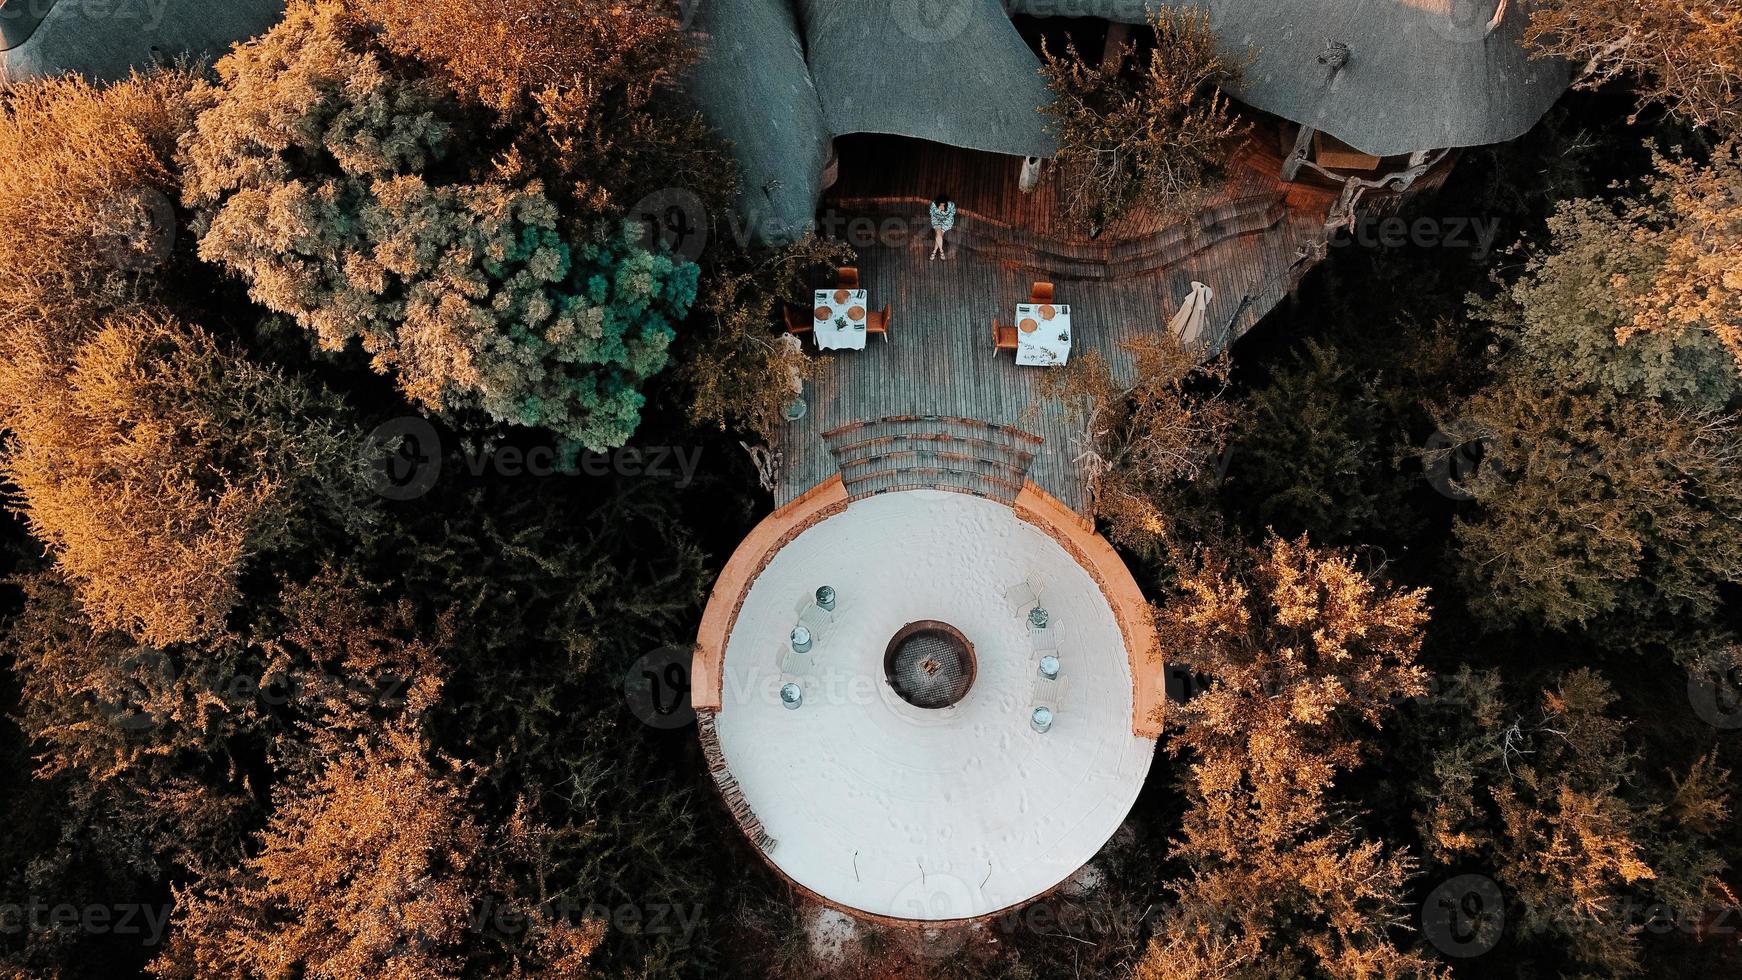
1188	323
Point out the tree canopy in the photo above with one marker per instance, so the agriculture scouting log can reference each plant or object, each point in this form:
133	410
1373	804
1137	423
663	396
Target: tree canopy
336	210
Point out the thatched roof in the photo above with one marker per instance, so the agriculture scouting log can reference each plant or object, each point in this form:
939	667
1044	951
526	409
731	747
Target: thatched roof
781	77
754	87
106	40
962	77
1421	74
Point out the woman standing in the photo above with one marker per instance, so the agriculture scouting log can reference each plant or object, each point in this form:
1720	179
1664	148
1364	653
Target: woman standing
943	218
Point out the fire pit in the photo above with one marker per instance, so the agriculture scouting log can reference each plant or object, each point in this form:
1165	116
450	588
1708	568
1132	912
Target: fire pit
930	664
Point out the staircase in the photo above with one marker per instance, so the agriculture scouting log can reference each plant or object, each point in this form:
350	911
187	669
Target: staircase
936	452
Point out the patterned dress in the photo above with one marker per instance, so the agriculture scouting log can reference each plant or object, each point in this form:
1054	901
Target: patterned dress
944	218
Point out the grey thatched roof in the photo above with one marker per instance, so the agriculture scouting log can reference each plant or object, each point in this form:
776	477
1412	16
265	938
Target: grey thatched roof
1421	74
106	40
955	73
753	86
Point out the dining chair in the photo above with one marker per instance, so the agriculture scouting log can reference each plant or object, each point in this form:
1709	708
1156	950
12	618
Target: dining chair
1040	292
847	277
798	320
1003	337
879	323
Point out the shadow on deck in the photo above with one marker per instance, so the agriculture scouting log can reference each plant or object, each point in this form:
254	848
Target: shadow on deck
1251	244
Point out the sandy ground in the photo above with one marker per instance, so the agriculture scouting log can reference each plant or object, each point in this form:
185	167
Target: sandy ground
929	814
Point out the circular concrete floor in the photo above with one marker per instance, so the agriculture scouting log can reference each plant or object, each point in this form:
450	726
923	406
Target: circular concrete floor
929	813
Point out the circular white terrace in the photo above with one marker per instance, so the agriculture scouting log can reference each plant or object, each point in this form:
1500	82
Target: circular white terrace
942	813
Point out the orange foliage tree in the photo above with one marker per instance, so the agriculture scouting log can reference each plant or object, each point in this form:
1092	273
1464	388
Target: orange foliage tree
153	464
1690	220
378	868
85	195
1554	799
1141	436
1687	55
1305	655
588	87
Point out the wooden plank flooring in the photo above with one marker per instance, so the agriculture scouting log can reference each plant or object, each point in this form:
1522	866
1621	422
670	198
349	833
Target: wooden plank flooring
938	360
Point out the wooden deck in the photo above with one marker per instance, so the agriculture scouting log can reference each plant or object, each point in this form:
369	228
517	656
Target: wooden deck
938	359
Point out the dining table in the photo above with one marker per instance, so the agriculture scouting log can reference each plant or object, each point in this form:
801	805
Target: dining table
1043	334
838	321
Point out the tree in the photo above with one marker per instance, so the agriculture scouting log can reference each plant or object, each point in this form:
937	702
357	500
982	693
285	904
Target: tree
1641	295
1141	438
589	91
154	465
1145	132
1685	55
1311	450
1596	509
1305	657
86	187
100	704
736	370
376	868
1556	803
331	207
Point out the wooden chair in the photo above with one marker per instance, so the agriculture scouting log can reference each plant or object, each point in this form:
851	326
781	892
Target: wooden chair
847	277
879	322
799	321
1003	337
1040	292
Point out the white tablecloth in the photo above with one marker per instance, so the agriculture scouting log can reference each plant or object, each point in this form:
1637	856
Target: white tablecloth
840	330
1049	343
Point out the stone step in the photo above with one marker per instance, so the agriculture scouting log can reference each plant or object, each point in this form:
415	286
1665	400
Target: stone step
933	425
932	478
932	459
941	452
937	443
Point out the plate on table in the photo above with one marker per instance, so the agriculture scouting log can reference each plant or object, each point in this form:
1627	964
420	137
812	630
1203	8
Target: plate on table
1046	312
856	313
1028	325
823	313
842	295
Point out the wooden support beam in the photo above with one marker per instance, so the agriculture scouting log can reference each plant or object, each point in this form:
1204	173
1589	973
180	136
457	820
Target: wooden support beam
1117	34
1303	144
